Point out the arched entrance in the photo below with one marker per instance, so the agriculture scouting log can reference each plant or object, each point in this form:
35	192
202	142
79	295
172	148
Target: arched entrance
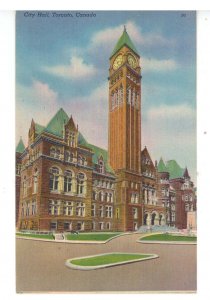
153	218
145	218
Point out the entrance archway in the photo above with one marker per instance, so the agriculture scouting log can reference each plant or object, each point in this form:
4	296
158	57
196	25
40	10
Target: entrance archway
145	218
153	218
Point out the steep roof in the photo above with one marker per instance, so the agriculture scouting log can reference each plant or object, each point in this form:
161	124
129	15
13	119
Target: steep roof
20	146
55	126
39	128
174	169
124	40
161	166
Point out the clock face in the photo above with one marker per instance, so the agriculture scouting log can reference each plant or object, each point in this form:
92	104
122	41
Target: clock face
118	62
132	61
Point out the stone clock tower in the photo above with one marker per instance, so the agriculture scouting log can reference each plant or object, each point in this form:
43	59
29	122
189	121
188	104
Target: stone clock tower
125	131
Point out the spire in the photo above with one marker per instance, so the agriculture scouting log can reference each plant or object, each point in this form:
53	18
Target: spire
20	147
124	40
186	174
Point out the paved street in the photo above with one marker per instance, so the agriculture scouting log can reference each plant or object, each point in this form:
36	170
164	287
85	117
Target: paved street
40	266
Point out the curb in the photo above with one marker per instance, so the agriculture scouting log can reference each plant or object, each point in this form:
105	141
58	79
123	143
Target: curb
88	268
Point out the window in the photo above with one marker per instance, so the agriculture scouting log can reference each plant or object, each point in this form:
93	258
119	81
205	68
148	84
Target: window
33	207
186	207
110	197
67	226
173	217
117	213
22	210
27	209
80	183
54	207
35	187
53	225
93	210
101	225
54	179
18	169
101	166
94	195
108	211
67	181
80	209
72	139
80	226
24	186
100	196
135	213
101	213
108	225
93	226
68	208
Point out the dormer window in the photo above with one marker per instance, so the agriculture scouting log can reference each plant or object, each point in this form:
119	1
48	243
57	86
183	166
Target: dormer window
101	166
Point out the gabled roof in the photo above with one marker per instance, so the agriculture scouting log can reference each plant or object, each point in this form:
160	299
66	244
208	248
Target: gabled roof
174	169
161	166
124	40
20	147
56	124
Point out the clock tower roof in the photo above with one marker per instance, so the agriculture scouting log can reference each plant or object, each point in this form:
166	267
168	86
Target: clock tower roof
124	40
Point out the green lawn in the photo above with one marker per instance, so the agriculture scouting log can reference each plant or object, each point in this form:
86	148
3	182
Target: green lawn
37	236
107	259
91	236
169	237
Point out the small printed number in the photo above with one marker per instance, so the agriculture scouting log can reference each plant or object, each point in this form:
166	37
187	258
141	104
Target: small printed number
183	15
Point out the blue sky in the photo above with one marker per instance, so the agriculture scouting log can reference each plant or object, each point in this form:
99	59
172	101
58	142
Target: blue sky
64	62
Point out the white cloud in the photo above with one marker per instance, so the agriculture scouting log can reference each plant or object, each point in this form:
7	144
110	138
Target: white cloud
170	132
37	101
111	35
77	69
155	65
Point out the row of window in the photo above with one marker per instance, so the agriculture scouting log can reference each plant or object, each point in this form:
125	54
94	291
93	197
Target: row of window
69	208
70	183
134	198
68	226
28	208
68	156
148	174
103	211
103	184
103	196
187	197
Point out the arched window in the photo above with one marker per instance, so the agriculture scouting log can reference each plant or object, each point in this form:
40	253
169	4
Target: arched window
67	181
67	156
80	183
54	179
35	185
24	186
72	139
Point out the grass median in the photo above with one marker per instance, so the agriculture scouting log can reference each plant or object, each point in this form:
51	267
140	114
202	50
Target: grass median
36	236
91	236
106	259
169	238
